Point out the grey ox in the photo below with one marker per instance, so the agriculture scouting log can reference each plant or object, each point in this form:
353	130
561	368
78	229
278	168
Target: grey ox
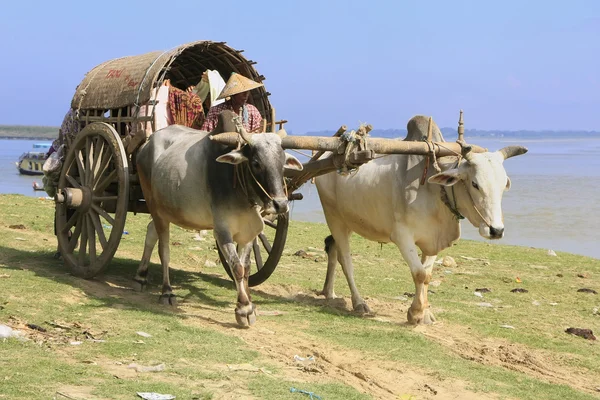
189	180
384	201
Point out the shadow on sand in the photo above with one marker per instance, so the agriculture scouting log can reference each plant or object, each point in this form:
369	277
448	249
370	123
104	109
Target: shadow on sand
114	287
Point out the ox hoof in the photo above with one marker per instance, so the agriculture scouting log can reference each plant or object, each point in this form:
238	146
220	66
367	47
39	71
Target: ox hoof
246	316
140	285
362	308
246	321
425	318
168	299
328	295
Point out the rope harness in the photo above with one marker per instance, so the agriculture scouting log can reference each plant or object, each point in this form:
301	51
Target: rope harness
452	207
350	142
239	170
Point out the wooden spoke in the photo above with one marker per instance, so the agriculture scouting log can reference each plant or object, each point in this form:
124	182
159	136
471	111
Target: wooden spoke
91	239
83	241
73	182
74	238
80	168
98	148
95	218
257	255
105	182
88	161
270	223
103	214
71	222
102	167
265	242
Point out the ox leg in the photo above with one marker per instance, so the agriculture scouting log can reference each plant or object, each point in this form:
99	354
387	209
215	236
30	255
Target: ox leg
419	311
141	277
342	242
332	260
162	229
245	260
245	313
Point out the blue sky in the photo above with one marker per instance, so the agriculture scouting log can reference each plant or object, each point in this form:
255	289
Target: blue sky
510	65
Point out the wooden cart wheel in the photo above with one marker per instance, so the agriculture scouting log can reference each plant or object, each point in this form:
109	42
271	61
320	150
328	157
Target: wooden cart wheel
268	246
91	200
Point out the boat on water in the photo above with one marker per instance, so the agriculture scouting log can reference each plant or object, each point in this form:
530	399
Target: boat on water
31	163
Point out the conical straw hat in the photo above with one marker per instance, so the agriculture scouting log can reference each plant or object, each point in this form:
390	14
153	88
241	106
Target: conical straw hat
237	84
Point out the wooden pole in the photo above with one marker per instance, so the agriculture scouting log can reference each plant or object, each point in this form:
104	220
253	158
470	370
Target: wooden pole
339	133
378	145
461	127
273	127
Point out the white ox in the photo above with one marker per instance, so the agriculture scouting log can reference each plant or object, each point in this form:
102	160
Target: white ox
189	180
385	202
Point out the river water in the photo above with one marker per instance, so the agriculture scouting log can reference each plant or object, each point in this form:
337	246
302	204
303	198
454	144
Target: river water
554	201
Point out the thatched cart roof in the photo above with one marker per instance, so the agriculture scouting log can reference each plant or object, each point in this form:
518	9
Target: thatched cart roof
129	80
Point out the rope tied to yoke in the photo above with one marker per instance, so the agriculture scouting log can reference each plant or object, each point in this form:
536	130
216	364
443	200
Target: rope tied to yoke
350	142
465	155
239	170
431	154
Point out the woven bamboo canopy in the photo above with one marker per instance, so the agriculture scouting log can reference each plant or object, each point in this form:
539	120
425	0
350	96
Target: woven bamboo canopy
129	81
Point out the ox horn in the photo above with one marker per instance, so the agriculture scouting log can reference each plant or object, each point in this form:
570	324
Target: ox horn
511	151
281	133
465	149
242	131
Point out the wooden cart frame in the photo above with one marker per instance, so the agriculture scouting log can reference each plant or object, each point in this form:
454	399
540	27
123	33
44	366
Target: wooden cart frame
98	184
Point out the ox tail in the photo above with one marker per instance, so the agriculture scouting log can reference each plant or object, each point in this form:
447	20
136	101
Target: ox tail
331	250
329	244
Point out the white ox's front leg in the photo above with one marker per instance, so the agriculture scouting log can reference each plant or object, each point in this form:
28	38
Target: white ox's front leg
245	313
419	311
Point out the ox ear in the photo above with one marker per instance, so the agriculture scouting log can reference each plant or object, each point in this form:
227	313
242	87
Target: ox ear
292	162
233	157
446	178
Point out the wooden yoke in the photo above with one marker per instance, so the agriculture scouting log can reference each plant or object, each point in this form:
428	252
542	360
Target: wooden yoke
378	145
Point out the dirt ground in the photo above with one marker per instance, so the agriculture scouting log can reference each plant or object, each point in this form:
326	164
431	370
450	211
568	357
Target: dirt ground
380	379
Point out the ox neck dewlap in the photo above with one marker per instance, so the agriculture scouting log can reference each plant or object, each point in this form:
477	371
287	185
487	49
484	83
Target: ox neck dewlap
453	208
249	184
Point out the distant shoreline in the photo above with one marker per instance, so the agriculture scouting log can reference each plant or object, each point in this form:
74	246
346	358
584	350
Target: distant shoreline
35	132
28	132
27	138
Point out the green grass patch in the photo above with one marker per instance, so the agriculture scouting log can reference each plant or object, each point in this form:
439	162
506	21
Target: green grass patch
36	288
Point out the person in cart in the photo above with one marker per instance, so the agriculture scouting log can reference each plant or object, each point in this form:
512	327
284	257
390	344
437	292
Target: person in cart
236	93
209	88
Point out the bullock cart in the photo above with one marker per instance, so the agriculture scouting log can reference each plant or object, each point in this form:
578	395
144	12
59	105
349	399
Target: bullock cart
99	184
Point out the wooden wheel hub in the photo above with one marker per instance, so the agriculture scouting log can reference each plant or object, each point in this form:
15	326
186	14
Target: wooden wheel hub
78	198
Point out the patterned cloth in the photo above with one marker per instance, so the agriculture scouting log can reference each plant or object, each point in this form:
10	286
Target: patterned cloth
68	129
186	108
252	120
53	164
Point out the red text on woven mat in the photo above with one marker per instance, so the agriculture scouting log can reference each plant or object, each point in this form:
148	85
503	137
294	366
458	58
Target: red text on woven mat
118	73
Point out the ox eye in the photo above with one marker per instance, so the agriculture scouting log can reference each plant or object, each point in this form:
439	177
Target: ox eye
255	165
475	185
